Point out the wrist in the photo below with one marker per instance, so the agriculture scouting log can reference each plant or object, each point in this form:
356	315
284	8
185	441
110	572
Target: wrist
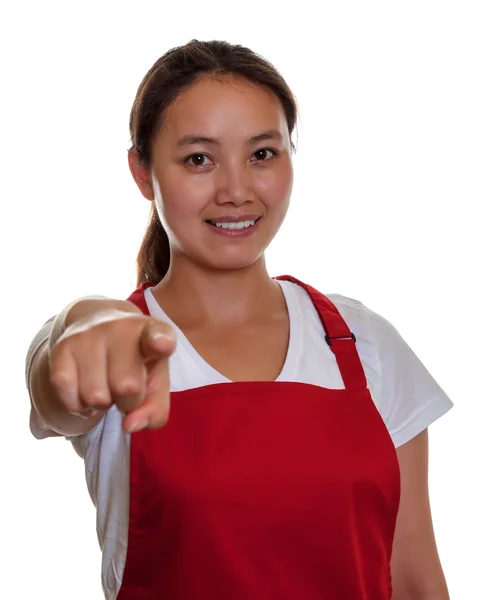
96	308
76	310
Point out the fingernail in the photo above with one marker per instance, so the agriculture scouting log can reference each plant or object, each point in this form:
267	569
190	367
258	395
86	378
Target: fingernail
138	426
90	412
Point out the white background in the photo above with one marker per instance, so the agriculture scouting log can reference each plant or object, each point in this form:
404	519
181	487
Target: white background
385	209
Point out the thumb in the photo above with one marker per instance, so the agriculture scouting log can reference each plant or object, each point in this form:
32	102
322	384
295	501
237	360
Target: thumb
158	340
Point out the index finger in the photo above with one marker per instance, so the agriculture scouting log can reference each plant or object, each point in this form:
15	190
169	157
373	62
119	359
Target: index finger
154	410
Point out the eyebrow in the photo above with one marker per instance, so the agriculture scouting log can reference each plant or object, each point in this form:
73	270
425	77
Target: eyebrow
192	138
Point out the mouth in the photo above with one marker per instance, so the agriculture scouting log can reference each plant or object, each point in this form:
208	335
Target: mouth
234	224
234	227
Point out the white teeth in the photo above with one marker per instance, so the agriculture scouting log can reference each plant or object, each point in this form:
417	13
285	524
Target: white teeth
236	225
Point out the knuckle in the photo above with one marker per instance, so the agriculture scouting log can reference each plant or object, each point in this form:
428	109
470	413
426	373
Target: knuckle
60	380
95	396
126	386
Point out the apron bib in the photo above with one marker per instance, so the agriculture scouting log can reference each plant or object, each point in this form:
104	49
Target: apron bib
265	490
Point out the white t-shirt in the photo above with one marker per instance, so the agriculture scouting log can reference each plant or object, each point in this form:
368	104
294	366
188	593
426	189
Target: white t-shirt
406	395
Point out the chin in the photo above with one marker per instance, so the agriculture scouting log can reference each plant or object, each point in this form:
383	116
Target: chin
233	263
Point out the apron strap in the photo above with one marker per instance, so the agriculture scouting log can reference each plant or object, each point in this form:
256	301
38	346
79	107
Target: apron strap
137	297
338	336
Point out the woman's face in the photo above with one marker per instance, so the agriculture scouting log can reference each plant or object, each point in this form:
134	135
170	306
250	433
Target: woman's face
222	173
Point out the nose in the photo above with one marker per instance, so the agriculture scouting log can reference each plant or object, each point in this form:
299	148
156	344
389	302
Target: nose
234	185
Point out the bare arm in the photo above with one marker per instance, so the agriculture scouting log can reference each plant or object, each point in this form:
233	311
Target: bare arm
48	411
416	570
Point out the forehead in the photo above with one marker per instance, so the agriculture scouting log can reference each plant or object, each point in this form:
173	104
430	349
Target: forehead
224	107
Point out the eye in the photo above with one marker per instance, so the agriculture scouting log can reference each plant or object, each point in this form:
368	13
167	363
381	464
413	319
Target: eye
197	160
264	154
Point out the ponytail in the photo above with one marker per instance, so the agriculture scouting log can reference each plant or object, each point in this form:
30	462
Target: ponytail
154	254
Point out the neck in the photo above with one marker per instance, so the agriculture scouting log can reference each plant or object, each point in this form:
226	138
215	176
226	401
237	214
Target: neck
193	294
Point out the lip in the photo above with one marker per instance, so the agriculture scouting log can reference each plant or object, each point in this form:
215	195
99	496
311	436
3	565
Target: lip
234	219
235	233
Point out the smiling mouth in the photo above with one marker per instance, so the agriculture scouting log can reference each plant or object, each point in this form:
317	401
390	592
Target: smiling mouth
234	225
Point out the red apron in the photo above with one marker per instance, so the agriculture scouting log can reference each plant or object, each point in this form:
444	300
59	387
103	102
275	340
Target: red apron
265	490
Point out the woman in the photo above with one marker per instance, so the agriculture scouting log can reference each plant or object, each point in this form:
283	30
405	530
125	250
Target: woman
278	449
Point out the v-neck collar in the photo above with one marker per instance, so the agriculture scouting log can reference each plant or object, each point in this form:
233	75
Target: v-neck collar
294	346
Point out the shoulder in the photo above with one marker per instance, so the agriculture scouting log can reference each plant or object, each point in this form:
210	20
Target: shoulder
407	395
411	399
350	307
357	315
381	329
355	312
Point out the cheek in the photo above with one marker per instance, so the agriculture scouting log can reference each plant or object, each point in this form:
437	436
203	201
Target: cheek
183	197
275	186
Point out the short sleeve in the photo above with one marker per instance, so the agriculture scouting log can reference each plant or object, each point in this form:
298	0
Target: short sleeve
411	399
40	337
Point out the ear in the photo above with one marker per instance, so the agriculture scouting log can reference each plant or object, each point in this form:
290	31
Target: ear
141	174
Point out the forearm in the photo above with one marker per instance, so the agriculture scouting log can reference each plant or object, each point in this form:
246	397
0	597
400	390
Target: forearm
48	411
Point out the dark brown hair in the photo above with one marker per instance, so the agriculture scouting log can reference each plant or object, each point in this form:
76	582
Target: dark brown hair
169	76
